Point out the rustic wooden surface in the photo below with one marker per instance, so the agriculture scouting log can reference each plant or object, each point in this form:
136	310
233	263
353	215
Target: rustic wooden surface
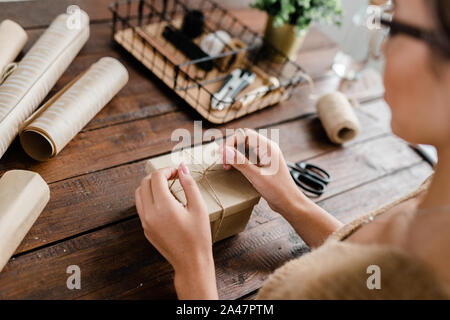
91	220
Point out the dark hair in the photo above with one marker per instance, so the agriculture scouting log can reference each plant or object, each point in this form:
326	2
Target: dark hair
442	12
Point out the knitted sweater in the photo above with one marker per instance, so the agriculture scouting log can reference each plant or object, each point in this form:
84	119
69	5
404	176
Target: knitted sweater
339	270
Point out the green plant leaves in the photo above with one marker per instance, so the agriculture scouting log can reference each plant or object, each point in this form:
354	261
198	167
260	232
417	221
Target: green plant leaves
301	12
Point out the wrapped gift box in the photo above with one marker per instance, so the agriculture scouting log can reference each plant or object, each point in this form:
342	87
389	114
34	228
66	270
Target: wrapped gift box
229	196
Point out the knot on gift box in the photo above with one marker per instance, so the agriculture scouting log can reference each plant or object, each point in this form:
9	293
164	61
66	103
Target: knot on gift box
228	195
201	176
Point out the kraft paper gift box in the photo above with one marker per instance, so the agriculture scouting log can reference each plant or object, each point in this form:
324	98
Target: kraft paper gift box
229	196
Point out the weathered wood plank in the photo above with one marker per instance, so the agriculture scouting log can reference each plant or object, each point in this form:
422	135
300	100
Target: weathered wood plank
145	96
90	201
81	205
117	262
132	141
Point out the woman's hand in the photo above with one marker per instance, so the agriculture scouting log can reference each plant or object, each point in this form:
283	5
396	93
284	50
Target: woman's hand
260	160
180	233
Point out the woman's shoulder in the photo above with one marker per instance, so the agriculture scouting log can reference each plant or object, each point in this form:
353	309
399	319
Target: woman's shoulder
340	270
403	205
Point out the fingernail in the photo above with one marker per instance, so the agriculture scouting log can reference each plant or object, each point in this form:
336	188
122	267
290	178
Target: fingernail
229	154
183	168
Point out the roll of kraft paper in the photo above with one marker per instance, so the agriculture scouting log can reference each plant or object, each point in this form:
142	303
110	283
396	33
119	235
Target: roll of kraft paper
12	41
37	73
338	117
51	128
23	196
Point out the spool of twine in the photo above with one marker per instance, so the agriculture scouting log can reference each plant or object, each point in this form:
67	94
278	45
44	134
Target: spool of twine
338	117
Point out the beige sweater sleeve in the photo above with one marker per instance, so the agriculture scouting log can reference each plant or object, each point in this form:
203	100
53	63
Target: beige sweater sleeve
338	270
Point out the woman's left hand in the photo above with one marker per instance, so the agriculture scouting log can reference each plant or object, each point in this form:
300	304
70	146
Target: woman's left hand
180	233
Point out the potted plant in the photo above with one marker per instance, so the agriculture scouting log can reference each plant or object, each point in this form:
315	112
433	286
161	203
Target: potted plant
288	20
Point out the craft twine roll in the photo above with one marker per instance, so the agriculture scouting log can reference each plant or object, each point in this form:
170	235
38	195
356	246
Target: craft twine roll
338	117
12	41
37	73
52	127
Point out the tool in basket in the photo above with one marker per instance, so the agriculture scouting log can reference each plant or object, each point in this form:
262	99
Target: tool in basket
196	71
183	43
234	83
272	82
309	177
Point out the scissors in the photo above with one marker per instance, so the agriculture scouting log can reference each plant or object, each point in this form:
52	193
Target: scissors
309	177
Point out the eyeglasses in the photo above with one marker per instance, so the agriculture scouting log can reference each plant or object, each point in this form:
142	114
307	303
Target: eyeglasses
380	21
430	37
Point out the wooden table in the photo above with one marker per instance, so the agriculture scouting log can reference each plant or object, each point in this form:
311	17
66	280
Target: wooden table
91	219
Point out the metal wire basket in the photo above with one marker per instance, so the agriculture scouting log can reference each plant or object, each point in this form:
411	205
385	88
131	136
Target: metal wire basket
138	26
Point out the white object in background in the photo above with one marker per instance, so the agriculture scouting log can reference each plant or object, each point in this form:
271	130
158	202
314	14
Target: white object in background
236	81
361	45
37	73
214	43
23	196
12	41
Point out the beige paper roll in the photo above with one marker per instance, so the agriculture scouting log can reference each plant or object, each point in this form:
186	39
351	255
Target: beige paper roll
12	41
23	196
338	117
52	127
37	73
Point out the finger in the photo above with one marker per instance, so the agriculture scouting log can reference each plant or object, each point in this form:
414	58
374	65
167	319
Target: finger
139	205
249	136
194	198
236	139
261	155
248	142
239	161
146	192
221	151
160	186
138	200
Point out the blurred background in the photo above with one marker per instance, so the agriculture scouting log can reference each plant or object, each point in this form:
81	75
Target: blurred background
353	40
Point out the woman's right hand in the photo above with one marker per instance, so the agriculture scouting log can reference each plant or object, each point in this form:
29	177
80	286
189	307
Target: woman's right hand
260	160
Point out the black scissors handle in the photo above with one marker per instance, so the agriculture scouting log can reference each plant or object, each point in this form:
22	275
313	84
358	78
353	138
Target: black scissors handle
309	177
308	183
314	171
